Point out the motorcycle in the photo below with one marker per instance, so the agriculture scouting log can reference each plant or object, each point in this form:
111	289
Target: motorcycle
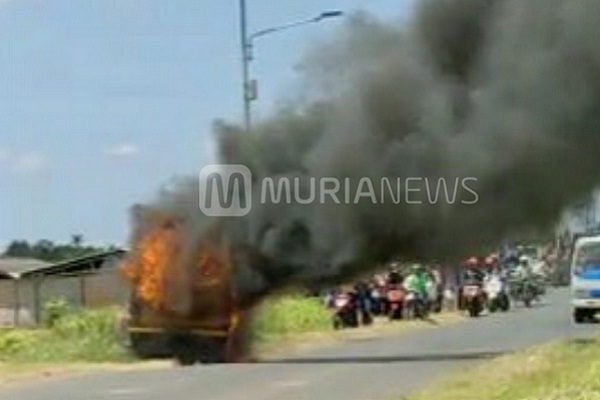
416	305
473	299
497	298
395	297
436	297
378	306
525	291
345	313
540	282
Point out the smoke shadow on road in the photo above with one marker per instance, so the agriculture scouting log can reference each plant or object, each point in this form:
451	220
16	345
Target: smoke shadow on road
387	359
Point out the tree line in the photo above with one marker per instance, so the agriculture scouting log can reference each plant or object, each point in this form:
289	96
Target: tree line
50	251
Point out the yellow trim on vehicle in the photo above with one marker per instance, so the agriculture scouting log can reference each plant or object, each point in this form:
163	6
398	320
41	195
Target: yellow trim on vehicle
199	332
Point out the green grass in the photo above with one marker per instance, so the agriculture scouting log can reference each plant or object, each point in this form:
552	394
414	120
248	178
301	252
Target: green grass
290	315
565	371
85	336
73	336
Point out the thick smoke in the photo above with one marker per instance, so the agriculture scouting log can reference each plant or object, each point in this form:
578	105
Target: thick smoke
504	91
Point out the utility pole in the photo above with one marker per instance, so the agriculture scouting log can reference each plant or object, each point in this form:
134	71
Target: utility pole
250	86
245	66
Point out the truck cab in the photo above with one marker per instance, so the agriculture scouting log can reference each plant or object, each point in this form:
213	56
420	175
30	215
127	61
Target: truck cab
585	279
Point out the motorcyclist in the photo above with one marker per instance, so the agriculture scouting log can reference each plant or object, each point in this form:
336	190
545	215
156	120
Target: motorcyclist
378	285
417	283
394	276
364	302
435	289
523	270
472	275
523	275
495	272
329	298
493	269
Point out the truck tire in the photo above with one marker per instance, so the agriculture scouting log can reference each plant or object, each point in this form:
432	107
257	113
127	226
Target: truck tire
211	351
184	350
473	312
147	346
505	307
140	347
579	316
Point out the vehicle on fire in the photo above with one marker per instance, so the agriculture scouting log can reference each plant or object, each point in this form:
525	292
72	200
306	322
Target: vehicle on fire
193	317
202	338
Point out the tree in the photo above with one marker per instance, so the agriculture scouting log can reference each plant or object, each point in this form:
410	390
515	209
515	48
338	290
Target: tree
47	250
43	249
77	239
18	248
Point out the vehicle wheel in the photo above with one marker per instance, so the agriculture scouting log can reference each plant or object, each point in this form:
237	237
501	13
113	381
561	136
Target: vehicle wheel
474	310
367	319
352	321
505	305
337	323
184	356
579	316
211	351
184	349
422	310
439	305
140	346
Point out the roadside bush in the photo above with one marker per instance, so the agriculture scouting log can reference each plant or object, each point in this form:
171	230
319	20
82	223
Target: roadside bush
14	342
54	310
290	315
78	336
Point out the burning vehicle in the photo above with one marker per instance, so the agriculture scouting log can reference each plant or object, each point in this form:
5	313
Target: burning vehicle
189	314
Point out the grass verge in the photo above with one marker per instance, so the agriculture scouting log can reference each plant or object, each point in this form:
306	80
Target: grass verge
84	341
74	342
290	315
78	337
559	371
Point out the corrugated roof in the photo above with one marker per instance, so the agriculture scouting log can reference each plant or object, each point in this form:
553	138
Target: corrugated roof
87	263
11	267
16	268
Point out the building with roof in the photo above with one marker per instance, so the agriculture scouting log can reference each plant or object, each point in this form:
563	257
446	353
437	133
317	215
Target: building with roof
13	268
89	281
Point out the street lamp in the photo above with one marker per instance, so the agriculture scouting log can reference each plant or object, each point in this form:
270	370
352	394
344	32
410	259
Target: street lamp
247	41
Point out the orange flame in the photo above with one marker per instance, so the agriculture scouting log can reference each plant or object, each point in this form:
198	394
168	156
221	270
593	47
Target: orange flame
150	270
153	267
153	270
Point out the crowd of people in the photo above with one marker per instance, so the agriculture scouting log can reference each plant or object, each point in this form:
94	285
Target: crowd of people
417	290
405	291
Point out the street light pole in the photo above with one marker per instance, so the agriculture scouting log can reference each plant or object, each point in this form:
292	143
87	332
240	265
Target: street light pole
247	43
245	66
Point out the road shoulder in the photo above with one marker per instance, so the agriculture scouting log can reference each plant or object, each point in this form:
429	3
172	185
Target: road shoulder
560	371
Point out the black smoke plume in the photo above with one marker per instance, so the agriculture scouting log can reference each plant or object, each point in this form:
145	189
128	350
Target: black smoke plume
503	91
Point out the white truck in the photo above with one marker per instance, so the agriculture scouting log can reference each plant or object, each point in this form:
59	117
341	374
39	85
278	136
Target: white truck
585	279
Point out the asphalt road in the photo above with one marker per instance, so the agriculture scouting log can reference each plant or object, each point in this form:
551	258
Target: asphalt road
367	370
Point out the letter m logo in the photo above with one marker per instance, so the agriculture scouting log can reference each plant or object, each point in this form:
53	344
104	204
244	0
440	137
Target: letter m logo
225	190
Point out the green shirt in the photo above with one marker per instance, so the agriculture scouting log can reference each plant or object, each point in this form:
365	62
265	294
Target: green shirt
417	283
